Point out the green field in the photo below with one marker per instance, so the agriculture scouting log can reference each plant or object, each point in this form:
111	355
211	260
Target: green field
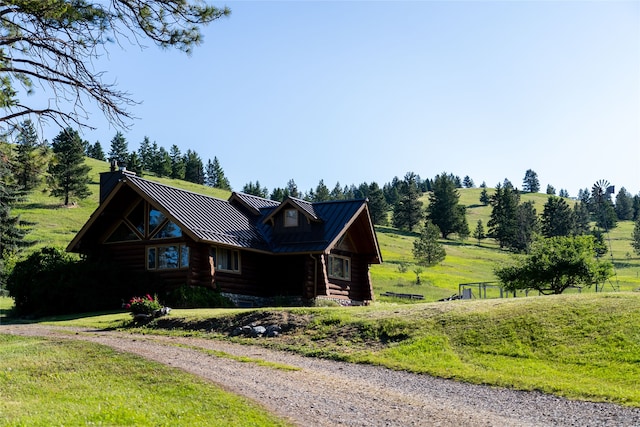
46	382
467	261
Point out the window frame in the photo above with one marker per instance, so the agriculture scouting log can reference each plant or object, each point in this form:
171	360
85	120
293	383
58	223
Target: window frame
290	221
235	259
181	249
345	260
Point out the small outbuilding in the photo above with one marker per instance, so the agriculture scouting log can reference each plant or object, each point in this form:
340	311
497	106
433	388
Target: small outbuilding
253	250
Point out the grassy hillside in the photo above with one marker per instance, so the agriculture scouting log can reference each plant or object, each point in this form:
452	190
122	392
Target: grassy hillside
466	261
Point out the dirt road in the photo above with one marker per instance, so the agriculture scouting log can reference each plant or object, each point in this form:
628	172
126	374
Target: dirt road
329	393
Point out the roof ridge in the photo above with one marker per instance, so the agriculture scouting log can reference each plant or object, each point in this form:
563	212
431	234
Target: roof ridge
128	176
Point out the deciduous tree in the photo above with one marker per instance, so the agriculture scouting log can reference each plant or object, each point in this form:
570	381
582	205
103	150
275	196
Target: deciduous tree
555	264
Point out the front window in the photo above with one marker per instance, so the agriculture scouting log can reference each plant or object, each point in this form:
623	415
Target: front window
339	267
167	257
226	259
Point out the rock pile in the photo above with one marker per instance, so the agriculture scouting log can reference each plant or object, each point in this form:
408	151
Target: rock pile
256	331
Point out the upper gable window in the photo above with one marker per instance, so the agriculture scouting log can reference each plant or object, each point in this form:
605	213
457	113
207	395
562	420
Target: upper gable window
291	218
155	219
169	230
122	234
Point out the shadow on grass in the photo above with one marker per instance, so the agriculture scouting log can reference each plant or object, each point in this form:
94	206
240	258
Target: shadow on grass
395	231
50	206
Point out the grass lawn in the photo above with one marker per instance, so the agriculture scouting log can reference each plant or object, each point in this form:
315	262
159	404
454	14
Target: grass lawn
581	346
49	382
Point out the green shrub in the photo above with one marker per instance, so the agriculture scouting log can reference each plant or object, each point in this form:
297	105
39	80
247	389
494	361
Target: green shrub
50	281
196	297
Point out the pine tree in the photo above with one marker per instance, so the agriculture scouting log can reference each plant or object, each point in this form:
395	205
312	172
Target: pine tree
161	162
255	189
426	249
337	193
378	207
145	154
407	212
322	193
624	205
119	149
444	210
292	189
478	233
178	166
95	151
134	164
582	218
635	238
468	182
12	229
503	223
193	168
530	183
527	227
484	196
216	177
557	218
31	157
70	176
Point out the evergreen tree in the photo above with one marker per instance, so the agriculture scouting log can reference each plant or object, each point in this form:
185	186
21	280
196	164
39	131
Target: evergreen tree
551	190
378	207
216	177
563	193
134	164
119	149
95	151
209	174
478	233
635	237
624	205
145	154
321	193
407	212
178	166
636	207
468	182
31	157
444	210
70	176
278	194
484	196
162	163
503	223
12	229
557	218
337	193
427	250
255	189
292	189
582	219
193	168
528	226
530	183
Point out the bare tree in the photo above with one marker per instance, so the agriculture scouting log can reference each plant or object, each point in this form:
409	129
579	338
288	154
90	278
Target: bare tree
52	45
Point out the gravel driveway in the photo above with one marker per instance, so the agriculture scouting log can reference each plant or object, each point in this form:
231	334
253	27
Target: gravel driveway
328	393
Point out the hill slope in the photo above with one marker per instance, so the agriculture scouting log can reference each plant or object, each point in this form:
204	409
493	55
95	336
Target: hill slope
466	261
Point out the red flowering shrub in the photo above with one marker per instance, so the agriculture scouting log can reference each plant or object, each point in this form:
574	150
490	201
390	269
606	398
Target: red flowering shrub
143	305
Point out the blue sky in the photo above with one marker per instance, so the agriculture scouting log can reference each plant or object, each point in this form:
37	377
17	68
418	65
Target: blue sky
362	91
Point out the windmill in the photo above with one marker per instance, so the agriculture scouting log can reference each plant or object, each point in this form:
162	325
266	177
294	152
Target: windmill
601	194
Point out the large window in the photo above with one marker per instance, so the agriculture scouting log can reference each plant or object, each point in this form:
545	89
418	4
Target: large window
167	257
225	259
339	267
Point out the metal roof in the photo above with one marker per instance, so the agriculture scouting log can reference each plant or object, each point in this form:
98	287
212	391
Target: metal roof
230	223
